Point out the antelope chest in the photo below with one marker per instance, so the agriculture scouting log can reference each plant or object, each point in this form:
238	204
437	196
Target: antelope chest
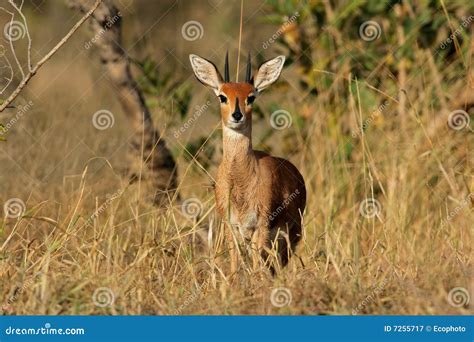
244	220
238	200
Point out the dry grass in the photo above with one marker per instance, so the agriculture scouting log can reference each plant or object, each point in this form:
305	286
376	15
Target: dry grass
404	260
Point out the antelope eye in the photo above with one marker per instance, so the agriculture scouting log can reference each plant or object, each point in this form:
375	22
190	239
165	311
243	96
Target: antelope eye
250	99
223	99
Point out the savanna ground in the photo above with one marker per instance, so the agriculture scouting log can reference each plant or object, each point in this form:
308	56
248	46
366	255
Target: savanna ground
388	166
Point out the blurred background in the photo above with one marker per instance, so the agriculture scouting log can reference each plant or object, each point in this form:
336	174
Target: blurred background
374	106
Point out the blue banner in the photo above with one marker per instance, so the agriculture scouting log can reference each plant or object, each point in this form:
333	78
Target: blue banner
237	328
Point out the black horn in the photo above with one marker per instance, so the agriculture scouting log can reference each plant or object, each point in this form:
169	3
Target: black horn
226	68
248	76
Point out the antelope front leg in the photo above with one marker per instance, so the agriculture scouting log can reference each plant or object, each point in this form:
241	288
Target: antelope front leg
259	240
254	251
233	250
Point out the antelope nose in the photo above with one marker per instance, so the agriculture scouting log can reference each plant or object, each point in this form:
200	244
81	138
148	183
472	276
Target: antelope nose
237	116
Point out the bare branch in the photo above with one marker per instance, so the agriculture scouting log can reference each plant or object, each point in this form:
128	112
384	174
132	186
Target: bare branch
10	41
38	65
149	157
18	9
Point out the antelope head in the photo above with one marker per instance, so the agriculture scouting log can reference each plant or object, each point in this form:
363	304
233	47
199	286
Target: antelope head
237	98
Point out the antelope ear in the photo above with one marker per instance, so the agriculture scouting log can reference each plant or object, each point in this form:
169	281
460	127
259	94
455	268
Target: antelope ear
206	72
268	73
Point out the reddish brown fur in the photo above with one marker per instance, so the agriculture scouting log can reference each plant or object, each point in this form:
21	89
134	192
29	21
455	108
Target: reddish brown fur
233	91
261	196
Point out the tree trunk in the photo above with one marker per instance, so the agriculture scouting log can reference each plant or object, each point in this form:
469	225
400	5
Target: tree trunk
148	155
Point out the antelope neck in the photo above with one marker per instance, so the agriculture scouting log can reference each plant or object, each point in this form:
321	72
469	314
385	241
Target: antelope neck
239	156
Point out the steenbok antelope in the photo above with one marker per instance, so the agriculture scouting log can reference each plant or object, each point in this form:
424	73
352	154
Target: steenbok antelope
261	197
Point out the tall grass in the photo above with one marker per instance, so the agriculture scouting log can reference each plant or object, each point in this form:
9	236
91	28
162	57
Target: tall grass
388	225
